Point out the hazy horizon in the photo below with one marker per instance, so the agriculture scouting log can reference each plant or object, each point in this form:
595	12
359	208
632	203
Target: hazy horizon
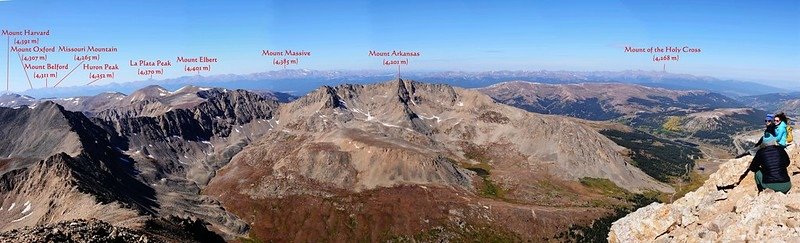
739	41
301	81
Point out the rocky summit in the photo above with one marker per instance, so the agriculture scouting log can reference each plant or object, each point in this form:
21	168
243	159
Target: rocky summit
724	209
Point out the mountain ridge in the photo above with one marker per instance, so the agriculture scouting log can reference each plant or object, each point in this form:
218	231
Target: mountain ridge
77	173
302	81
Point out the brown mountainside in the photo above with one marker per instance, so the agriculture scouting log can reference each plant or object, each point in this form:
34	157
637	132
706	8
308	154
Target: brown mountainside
348	149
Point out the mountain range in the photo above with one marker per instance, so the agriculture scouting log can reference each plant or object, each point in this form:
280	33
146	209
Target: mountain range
394	160
696	115
786	102
604	101
301	81
342	162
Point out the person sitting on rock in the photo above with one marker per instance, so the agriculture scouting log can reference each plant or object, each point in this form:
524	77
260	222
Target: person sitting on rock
752	151
780	131
770	162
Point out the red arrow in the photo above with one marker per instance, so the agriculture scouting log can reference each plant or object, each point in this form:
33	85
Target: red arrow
25	69
70	72
94	81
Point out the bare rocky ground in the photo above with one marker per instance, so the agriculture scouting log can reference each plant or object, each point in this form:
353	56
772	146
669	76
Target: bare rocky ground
722	210
79	230
94	230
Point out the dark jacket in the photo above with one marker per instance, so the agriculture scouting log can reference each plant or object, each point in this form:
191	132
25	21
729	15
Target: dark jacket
772	161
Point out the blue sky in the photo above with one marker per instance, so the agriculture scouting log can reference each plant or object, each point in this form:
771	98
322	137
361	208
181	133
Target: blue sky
752	41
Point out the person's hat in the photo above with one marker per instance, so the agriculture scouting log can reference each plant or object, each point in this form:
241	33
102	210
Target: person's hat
770	116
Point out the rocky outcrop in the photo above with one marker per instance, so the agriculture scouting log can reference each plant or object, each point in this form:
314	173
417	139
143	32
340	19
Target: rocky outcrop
76	231
170	229
724	209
